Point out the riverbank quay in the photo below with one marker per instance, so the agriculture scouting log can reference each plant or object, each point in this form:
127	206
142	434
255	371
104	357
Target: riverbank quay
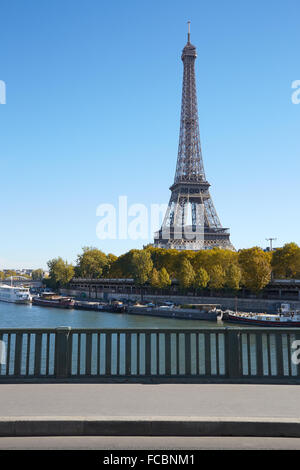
207	312
231	303
149	410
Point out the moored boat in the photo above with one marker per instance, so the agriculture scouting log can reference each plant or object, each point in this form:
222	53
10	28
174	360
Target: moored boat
116	307
88	305
13	294
281	319
50	299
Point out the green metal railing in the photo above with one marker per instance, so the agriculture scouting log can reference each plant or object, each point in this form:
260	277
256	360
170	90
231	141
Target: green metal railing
209	353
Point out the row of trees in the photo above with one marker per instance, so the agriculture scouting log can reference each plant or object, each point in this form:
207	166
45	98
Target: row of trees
91	264
216	268
36	274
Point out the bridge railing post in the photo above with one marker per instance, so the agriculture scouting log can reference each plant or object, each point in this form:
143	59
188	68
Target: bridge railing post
63	353
233	353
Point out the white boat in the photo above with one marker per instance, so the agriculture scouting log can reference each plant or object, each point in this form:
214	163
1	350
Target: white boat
17	295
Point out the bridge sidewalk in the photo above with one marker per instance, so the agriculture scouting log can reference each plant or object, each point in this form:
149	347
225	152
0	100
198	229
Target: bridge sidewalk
145	410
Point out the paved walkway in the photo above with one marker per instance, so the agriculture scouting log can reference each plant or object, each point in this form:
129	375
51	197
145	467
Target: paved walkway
199	400
149	410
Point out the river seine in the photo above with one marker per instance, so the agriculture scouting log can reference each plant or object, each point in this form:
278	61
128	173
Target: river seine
33	316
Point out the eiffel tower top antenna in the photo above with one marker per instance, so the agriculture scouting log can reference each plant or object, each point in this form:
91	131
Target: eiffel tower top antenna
189	31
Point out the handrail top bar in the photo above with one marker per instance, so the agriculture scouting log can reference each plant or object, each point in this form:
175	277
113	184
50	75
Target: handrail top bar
209	329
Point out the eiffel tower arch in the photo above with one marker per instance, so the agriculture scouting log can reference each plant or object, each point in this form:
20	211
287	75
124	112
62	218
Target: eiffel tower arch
191	221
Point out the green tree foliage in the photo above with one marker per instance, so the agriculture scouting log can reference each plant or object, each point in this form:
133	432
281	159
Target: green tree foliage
256	268
60	272
201	279
286	261
216	277
185	273
37	275
164	278
10	272
163	258
154	279
208	258
90	263
233	277
141	265
2	275
216	268
160	279
111	259
122	267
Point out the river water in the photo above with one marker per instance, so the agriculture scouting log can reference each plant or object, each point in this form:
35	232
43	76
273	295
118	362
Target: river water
33	316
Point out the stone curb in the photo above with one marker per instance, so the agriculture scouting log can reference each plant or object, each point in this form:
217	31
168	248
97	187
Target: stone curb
148	426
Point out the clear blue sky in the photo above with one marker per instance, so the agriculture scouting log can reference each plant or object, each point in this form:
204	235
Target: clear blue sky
93	108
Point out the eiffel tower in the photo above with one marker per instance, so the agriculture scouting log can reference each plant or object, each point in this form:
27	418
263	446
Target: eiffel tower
191	221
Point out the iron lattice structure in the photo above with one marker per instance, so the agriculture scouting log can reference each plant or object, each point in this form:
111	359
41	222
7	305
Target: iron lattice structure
191	221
